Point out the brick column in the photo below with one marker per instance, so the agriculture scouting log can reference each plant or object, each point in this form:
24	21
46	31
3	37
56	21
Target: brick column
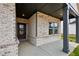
8	41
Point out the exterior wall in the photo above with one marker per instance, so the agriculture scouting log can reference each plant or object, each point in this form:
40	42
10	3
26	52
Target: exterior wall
72	28
32	29
43	36
78	6
42	26
8	40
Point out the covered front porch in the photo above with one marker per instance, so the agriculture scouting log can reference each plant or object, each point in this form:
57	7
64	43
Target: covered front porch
39	35
64	12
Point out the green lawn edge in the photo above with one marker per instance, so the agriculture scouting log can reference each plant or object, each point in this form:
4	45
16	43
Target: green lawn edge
75	52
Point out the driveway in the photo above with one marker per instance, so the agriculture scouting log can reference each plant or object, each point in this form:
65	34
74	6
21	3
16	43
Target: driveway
50	49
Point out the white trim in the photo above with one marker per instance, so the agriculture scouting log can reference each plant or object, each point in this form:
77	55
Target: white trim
73	9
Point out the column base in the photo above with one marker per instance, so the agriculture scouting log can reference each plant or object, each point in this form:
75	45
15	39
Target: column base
66	50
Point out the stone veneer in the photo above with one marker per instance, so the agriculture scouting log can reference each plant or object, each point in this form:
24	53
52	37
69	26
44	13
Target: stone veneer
8	40
42	36
32	29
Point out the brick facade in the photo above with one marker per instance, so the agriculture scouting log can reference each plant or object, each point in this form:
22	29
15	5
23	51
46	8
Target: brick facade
8	40
42	36
32	29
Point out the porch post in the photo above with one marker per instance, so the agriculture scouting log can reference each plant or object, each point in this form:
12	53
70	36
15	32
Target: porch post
65	30
77	29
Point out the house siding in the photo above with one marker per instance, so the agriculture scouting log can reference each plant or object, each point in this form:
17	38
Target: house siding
71	28
8	40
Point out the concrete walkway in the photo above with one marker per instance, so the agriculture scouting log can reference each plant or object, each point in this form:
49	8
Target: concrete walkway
50	49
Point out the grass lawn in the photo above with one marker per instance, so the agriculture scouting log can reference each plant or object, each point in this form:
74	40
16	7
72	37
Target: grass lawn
75	52
71	38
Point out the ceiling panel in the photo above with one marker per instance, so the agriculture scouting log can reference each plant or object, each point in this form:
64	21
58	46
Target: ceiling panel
28	9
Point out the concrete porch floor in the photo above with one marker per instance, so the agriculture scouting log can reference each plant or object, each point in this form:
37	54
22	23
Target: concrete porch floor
50	49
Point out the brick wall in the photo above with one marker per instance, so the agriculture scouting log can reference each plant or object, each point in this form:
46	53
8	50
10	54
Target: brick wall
43	24
43	36
32	29
8	40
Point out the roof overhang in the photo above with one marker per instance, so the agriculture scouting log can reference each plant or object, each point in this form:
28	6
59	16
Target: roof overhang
26	10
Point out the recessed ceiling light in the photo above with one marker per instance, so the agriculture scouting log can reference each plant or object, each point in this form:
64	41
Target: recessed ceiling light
23	15
61	14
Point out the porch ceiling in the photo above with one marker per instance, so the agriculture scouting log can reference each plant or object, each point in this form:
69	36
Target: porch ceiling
52	9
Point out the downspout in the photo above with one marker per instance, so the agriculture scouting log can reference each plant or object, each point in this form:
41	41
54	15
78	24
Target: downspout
36	24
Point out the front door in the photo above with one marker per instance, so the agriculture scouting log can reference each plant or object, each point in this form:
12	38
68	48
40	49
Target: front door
21	31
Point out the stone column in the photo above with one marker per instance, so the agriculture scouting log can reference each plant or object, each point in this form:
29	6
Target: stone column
65	30
8	40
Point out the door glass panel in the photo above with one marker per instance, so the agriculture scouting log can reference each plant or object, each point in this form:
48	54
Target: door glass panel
21	31
21	26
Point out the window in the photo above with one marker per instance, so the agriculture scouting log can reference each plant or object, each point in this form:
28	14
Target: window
53	28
